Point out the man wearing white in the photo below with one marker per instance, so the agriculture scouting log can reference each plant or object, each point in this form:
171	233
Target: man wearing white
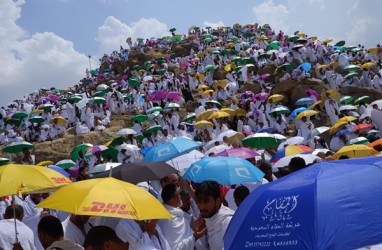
178	231
76	227
7	229
217	216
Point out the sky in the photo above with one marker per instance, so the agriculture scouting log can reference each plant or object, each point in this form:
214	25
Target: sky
46	43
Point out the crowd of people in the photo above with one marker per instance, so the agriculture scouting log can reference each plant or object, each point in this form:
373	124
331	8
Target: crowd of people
156	94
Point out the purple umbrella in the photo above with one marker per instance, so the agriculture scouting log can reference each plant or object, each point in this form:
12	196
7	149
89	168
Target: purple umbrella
261	96
53	98
175	96
42	100
263	76
313	93
241	152
246	95
158	95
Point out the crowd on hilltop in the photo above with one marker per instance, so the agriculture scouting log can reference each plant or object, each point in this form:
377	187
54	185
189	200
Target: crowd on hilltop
158	91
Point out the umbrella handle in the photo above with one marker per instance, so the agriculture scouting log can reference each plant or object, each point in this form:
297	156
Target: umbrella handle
14	217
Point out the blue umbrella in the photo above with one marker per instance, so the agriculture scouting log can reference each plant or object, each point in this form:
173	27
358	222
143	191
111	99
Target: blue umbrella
305	66
330	205
265	129
58	169
225	170
345	131
305	101
171	149
298	111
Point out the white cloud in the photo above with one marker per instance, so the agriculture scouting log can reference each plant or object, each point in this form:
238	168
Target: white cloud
271	13
213	25
29	63
113	33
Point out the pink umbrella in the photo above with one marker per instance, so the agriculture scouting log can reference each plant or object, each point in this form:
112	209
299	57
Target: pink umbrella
312	92
158	95
263	76
261	96
95	149
241	152
175	96
42	100
53	98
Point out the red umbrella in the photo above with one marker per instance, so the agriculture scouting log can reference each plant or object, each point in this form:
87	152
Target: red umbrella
363	127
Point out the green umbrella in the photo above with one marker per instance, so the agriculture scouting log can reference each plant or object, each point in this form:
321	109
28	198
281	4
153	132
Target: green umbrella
275	45
65	164
99	93
213	103
225	52
236	59
134	82
63	100
352	68
20	115
261	140
172	29
46	106
364	98
152	129
93	72
285	66
293	38
111	153
139	118
346	99
209	68
177	38
82	147
340	43
98	100
140	138
161	72
189	117
208	40
3	161
117	141
154	109
147	64
16	122
37	119
250	66
351	47
246	60
75	98
216	52
351	75
17	147
280	110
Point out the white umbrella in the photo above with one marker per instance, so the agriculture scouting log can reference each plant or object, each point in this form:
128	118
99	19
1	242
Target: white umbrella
103	167
134	148
316	132
319	150
292	141
183	162
172	105
370	106
147	78
102	87
284	162
217	149
348	107
126	131
359	140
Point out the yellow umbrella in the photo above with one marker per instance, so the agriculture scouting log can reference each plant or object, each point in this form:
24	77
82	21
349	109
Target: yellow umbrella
200	76
203	124
45	163
323	66
207	92
209	49
18	179
333	64
204	115
328	40
107	197
240	112
306	113
230	45
347	119
332	93
368	65
60	120
336	127
263	37
231	112
318	103
37	111
276	97
355	151
314	38
218	114
237	25
220	83
301	34
374	51
202	87
228	67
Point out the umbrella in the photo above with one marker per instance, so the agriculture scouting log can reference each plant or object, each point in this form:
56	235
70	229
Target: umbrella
285	66
45	163
139	118
217	149
363	127
355	151
324	66
352	68
37	119
218	114
126	131
297	47
203	124
306	113
134	82
202	87
98	100
3	161
346	99
290	150
19	115
376	143
225	170
76	99
171	149
337	126
204	114
340	43
213	103
82	147
140	171
298	111
59	170
107	197
207	92
305	101
316	132
59	120
221	84
284	162
173	96
103	167
276	98
280	110
147	78
95	149
209	68
242	152
102	87
358	140
17	147
348	107
183	162
45	106
189	117
153	128
172	105
65	164
368	65
295	140
305	66
154	109
364	98
314	208
351	75
261	140
313	93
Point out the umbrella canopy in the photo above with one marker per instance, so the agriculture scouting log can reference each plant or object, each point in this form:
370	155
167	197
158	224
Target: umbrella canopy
82	147
139	118
217	149
242	152
276	98
75	98
98	100
189	117
280	110
202	87
284	162
376	143
154	109
305	101
126	131
203	124
317	131
306	113
337	127
18	179
20	115
225	170
285	66
95	149
318	208
358	140
351	75
261	140
17	147
59	120
213	103
153	128
37	119
352	68
134	82
103	167
347	108
65	164
59	170
298	111
355	151
140	171
209	68
218	114
172	105
171	149
364	98
346	99
3	161
183	162
204	114
207	92
96	197
291	150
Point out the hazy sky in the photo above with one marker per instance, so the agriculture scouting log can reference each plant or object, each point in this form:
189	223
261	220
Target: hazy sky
45	43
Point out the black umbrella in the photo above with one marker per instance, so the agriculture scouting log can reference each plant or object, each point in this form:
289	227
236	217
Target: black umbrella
140	171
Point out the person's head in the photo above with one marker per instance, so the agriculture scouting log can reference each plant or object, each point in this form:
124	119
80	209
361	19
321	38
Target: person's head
266	168
296	163
103	238
165	132
14	211
26	152
240	193
79	219
172	178
170	195
186	200
208	199
49	230
36	198
304	119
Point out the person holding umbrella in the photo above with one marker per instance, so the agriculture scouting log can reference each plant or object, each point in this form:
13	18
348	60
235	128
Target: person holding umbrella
27	158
